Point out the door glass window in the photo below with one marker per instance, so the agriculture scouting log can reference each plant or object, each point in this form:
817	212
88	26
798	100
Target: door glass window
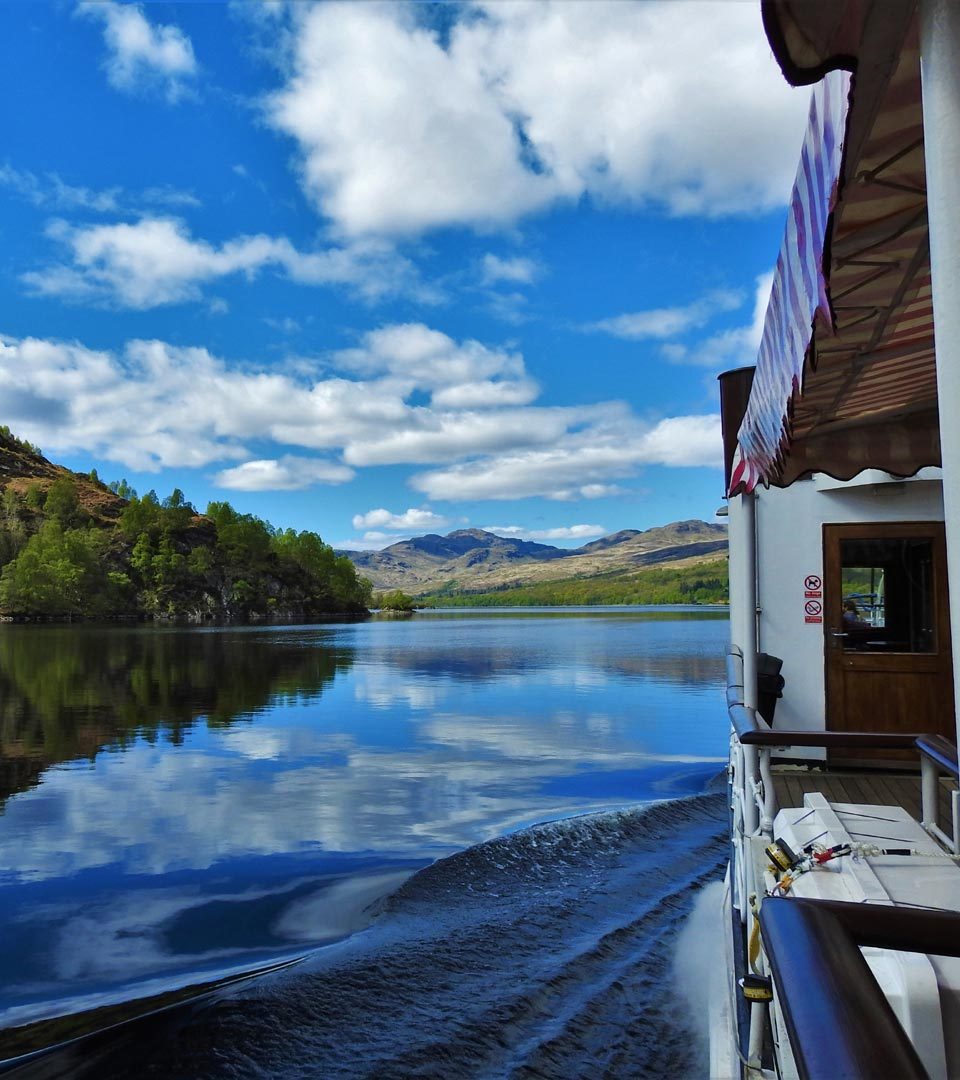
888	595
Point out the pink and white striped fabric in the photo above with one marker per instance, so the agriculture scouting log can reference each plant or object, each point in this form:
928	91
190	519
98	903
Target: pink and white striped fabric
799	293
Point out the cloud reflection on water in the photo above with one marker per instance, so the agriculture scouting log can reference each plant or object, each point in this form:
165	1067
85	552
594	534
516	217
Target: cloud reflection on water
265	789
354	752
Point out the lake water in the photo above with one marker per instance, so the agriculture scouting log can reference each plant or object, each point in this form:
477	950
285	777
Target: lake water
182	804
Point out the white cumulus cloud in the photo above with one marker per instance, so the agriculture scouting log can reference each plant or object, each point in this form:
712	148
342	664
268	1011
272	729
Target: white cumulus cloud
578	461
156	261
152	405
442	436
517	270
409	519
599	491
289	473
51	191
398	134
431	358
728	348
682	440
464	375
486	393
143	55
669	322
560	532
517	107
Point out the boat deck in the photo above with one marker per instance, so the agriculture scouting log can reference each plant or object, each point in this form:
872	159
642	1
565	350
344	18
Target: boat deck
877	787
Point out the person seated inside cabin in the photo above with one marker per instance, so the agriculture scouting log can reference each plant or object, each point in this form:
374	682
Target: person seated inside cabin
854	626
851	617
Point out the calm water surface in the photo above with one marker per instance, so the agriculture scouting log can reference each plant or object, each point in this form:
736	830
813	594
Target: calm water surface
184	802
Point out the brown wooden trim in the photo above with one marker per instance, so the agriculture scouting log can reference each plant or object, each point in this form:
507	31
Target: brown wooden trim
837	1017
832	740
940	750
734	395
752	731
852	676
834	533
906	929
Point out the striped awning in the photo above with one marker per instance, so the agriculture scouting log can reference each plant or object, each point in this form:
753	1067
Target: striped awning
799	295
846	376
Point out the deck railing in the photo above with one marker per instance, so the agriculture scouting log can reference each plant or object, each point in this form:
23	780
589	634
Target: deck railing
837	1017
938	755
753	804
754	800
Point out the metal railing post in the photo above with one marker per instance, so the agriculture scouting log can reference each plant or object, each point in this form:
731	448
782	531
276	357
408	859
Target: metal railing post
769	793
929	784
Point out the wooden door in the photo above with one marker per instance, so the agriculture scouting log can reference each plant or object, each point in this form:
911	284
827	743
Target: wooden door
888	659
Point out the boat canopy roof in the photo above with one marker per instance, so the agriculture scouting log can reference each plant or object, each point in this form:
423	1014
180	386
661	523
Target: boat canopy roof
845	377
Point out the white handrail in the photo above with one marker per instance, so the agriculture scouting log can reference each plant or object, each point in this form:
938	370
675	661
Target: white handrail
756	791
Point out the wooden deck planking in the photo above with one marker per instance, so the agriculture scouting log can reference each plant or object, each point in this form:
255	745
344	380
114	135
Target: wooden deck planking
903	791
879	788
945	802
793	788
860	792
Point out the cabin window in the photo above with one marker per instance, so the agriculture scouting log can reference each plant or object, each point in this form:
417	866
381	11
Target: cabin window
888	597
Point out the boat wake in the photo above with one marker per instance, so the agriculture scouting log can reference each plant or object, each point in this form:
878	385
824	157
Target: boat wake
544	953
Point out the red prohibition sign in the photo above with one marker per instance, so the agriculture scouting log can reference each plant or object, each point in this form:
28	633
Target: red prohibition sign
813	607
812	582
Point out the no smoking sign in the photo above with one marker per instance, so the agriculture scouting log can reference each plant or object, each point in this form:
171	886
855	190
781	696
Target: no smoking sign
812	607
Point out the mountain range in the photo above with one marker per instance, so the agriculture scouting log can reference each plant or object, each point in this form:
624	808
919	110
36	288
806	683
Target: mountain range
467	561
471	560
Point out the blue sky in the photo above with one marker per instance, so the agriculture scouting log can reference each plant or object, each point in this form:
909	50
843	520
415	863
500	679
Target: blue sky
378	270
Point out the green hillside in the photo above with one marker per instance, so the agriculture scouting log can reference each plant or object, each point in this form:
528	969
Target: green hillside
704	583
72	546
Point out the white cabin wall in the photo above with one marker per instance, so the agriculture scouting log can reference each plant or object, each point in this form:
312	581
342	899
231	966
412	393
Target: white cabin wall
790	547
735	526
743	595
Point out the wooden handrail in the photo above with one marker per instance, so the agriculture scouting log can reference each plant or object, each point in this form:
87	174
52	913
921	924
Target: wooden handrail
940	750
904	929
752	730
839	1021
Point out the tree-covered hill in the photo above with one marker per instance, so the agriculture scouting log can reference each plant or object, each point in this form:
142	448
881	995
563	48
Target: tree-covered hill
697	582
72	546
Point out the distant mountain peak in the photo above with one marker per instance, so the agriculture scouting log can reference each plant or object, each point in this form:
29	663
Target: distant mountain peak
477	534
469	560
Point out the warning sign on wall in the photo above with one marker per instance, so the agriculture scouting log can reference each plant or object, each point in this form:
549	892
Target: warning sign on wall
812	610
813	598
